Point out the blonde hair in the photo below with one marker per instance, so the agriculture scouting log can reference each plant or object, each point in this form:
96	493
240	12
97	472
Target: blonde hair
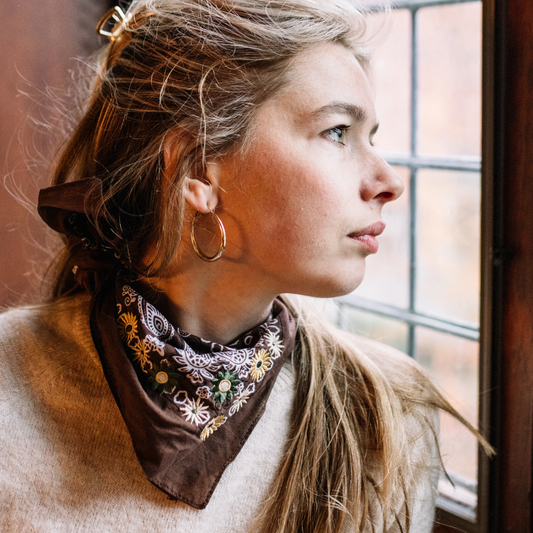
196	71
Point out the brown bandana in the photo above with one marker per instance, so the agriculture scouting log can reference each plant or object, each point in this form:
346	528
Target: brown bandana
189	404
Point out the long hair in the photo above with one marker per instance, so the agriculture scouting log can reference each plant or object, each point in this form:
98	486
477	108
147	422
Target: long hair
195	72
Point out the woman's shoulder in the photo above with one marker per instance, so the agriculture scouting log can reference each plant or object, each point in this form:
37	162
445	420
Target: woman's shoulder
45	333
60	312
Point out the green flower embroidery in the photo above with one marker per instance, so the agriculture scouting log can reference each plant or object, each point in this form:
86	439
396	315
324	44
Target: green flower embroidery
163	378
224	386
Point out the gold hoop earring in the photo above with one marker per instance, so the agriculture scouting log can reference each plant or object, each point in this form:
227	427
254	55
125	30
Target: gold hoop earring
222	246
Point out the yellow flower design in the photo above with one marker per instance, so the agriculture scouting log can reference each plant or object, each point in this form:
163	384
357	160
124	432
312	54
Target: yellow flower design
142	352
128	326
260	364
212	426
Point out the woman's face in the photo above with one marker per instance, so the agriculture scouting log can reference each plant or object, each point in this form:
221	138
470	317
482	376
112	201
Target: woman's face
302	207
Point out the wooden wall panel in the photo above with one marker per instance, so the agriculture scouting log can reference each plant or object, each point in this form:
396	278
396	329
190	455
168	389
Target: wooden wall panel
39	41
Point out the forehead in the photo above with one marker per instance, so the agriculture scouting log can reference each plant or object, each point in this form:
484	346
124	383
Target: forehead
325	75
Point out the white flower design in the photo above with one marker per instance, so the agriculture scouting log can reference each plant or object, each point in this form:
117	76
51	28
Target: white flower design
155	344
129	294
274	344
199	366
241	399
237	361
204	392
177	398
195	411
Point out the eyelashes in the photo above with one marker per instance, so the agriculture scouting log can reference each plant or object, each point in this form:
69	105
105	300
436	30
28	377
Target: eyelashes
337	134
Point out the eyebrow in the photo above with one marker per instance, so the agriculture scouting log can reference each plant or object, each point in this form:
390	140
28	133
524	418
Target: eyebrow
357	113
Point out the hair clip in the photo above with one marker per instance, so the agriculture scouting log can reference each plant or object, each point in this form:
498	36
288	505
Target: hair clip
115	19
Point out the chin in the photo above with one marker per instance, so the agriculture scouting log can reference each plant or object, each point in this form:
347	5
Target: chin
333	287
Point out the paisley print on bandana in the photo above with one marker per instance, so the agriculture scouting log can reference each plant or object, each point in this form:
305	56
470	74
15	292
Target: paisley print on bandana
206	381
199	367
151	317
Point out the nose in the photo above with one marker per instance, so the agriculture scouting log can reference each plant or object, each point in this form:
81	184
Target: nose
383	183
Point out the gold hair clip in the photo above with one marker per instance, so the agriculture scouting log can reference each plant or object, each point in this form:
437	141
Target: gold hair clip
115	19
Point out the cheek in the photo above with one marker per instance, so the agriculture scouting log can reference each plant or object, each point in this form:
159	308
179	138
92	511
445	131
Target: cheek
299	191
297	212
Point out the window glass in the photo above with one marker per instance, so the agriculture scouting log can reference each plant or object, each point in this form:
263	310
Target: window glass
448	213
452	362
384	329
391	65
449	67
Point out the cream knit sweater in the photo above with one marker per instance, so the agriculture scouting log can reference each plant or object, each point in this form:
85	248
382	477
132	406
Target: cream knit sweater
66	459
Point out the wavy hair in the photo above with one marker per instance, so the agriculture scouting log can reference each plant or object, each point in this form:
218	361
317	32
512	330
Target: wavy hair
196	72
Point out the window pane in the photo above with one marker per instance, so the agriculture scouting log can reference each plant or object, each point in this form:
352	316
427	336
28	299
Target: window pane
387	330
327	307
449	55
387	272
448	244
453	363
391	79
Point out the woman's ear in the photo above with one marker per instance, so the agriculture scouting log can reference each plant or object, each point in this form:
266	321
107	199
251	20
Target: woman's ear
200	194
201	188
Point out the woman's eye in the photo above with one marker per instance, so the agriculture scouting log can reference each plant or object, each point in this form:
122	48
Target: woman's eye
337	134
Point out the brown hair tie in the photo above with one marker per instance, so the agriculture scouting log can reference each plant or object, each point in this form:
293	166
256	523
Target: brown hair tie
71	209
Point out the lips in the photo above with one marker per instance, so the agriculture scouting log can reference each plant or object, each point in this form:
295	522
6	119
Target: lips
367	236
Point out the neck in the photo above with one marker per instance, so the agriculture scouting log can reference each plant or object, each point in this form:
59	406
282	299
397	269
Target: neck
217	309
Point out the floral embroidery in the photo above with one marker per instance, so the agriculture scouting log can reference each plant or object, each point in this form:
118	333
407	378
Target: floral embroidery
212	426
238	361
141	350
274	344
128	326
224	386
241	399
204	392
199	366
163	378
129	295
260	364
177	396
195	411
155	345
226	376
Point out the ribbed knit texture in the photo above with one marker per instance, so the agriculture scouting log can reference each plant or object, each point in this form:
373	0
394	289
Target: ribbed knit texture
66	459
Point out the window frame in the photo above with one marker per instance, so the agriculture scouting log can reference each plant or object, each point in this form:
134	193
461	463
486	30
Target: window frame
505	372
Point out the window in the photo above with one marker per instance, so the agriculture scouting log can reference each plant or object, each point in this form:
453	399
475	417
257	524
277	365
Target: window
421	292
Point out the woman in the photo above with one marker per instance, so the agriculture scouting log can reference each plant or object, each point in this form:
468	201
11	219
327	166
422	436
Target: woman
224	158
